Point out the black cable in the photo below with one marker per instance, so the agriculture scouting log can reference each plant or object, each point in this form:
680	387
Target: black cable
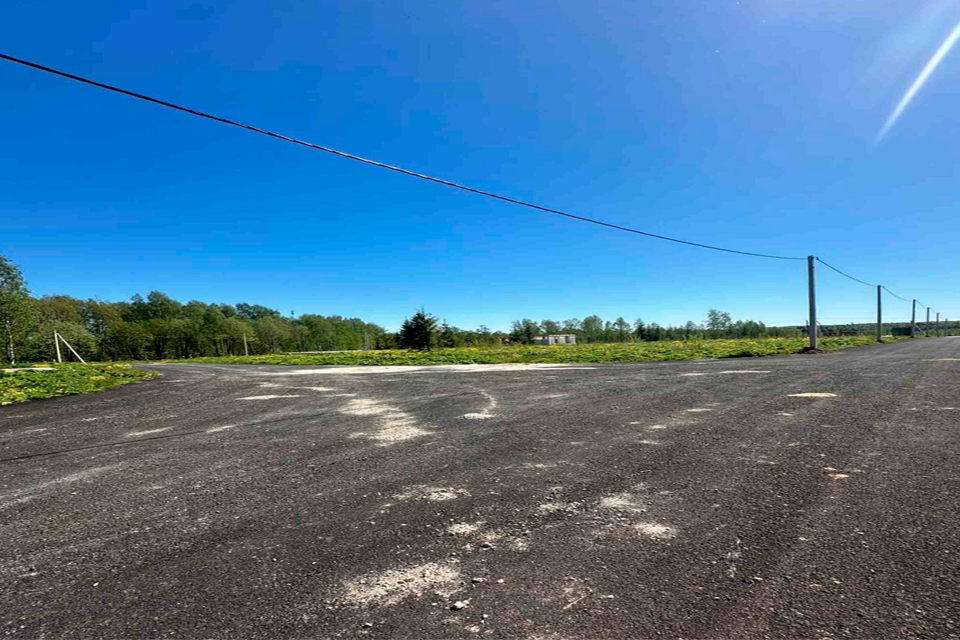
893	294
844	274
374	163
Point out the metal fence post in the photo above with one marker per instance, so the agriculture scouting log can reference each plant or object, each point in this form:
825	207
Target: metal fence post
913	321
812	290
879	316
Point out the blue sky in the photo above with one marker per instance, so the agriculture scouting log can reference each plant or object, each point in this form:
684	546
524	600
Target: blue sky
745	124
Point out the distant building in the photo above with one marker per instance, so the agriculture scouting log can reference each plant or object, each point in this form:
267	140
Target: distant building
557	339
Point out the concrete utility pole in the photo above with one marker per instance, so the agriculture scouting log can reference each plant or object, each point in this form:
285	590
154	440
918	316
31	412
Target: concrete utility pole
879	315
812	286
56	341
246	350
72	350
938	324
913	321
926	327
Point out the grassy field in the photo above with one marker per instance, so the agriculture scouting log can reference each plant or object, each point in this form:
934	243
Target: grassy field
66	379
629	352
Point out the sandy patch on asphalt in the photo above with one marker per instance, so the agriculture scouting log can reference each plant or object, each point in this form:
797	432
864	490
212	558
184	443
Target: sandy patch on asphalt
626	501
434	494
134	434
267	397
450	368
464	528
487	412
555	507
392	586
622	509
393	424
740	371
223	428
813	395
721	373
26	494
655	530
698	410
488	539
518	544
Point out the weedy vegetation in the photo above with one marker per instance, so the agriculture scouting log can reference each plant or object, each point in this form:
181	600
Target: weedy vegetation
587	353
66	379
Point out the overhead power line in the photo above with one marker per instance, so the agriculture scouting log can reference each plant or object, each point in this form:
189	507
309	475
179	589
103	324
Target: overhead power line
894	295
845	274
382	165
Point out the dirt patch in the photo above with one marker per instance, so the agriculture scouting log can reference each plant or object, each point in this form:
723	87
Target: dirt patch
554	507
433	494
394	424
223	428
134	434
395	585
464	528
626	501
655	530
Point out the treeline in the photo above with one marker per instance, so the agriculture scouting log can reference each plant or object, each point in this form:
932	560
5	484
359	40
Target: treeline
593	329
158	327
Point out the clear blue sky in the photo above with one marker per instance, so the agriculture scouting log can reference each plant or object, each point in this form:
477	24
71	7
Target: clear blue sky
746	124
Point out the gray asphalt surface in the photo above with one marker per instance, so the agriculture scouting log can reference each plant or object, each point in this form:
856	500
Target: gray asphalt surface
679	500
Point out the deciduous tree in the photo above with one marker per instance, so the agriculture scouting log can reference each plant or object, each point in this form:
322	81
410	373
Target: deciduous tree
15	309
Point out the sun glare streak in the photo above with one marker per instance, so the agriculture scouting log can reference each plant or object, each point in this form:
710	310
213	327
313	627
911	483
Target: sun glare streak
918	83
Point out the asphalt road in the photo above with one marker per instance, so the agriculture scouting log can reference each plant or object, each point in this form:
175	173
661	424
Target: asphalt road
678	500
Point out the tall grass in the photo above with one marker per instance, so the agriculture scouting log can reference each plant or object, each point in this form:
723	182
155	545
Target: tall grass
629	352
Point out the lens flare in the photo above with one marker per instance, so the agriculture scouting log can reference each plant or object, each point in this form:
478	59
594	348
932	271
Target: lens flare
918	83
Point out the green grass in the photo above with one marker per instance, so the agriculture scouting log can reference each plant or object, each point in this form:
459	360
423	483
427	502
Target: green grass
629	352
66	379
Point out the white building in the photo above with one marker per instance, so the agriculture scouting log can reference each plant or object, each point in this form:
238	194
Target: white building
557	339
